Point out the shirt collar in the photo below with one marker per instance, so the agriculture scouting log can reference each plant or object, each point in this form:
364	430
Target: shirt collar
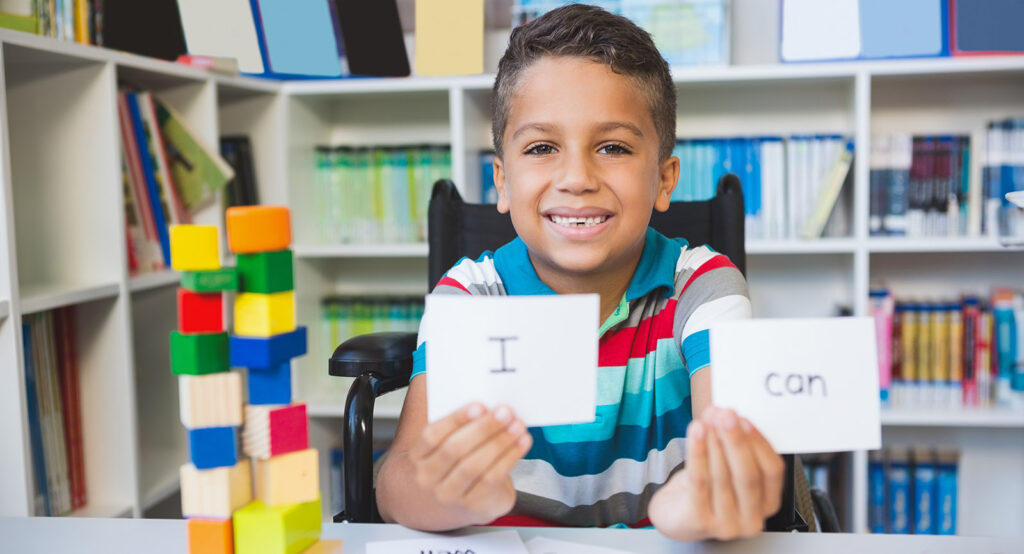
657	268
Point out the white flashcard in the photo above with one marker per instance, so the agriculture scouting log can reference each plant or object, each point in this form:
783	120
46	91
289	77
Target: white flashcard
544	545
535	354
500	542
809	385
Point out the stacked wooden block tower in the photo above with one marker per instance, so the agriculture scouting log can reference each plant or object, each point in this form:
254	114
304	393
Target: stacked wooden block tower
270	505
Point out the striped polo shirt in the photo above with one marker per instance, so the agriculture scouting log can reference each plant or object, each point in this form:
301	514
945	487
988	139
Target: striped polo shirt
605	472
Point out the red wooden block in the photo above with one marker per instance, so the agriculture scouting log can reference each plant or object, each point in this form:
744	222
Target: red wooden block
200	312
274	430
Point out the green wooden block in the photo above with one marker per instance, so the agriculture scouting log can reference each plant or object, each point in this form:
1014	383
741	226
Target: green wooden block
261	529
199	353
265	272
217	280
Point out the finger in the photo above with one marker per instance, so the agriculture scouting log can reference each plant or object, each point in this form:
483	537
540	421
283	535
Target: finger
435	433
697	473
457	445
772	468
748	486
497	476
723	501
470	469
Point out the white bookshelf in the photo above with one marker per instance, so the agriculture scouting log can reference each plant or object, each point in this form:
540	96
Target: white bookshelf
53	252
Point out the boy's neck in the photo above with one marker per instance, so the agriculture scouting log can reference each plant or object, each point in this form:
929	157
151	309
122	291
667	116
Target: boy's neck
610	285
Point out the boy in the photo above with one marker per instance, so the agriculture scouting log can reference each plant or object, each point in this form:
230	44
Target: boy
584	126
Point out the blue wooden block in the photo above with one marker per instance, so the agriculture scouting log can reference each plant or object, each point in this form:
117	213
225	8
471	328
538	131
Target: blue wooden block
210	447
268	352
271	386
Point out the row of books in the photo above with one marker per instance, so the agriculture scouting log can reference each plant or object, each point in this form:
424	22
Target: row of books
167	173
344	317
1003	173
71	20
793	187
54	412
912	491
920	187
377	194
242	190
961	353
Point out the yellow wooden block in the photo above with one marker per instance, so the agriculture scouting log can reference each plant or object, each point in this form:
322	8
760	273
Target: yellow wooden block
262	529
264	315
325	546
215	492
290	478
449	37
194	248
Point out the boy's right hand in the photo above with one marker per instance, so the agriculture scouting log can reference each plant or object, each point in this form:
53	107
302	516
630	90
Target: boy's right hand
464	460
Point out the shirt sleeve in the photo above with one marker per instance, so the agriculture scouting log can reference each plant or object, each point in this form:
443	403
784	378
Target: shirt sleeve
715	291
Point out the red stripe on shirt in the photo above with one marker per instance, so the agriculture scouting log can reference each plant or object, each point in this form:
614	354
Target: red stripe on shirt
618	346
714	263
449	282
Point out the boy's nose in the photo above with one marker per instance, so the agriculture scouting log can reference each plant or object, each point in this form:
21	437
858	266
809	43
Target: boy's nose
577	175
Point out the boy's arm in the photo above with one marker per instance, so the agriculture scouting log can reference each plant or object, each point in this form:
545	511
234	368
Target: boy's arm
700	391
453	472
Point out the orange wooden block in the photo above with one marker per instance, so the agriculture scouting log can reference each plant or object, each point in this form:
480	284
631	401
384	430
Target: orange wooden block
326	546
258	229
210	536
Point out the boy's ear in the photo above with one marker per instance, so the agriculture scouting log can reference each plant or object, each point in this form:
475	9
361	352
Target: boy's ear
500	185
668	177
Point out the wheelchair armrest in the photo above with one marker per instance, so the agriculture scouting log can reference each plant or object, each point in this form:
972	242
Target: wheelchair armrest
386	356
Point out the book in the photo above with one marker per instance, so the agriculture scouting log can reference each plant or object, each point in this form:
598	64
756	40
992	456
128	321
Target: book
153	189
828	192
197	171
243	189
174	207
41	504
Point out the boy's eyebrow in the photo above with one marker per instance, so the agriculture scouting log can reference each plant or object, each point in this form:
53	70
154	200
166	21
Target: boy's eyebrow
612	125
601	128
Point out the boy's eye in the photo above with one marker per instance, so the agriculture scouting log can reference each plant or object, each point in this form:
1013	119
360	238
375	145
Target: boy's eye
540	149
614	149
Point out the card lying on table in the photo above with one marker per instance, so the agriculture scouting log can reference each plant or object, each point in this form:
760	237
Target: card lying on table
809	385
536	354
499	542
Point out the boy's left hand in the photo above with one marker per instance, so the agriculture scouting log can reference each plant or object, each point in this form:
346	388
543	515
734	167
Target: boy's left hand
731	483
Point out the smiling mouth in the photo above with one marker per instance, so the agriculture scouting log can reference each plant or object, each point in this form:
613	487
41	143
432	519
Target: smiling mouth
578	221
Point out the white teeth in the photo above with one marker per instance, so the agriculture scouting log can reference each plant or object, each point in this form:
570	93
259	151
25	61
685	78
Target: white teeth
578	221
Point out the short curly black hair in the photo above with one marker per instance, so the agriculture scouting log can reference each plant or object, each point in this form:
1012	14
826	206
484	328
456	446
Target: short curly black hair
595	34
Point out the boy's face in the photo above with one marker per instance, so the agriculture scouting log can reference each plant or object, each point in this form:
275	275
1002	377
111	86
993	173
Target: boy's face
580	171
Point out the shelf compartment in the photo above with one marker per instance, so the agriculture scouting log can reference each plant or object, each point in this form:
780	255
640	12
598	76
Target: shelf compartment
413	250
39	297
157	279
993	418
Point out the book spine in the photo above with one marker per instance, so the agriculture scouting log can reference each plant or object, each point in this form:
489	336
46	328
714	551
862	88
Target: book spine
946	494
151	185
900	500
924	492
878	518
174	206
901	160
970	322
35	428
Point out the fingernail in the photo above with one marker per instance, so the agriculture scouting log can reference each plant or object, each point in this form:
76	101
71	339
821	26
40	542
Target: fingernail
746	426
502	414
524	440
516	427
727	419
697	430
475	411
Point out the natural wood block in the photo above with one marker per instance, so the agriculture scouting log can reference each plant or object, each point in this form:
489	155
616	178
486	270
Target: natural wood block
213	400
216	280
199	353
274	430
288	479
210	536
326	546
265	272
200	312
258	229
215	492
262	529
194	248
264	315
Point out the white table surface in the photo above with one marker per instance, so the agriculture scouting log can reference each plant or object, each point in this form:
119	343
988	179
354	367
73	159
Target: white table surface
153	536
